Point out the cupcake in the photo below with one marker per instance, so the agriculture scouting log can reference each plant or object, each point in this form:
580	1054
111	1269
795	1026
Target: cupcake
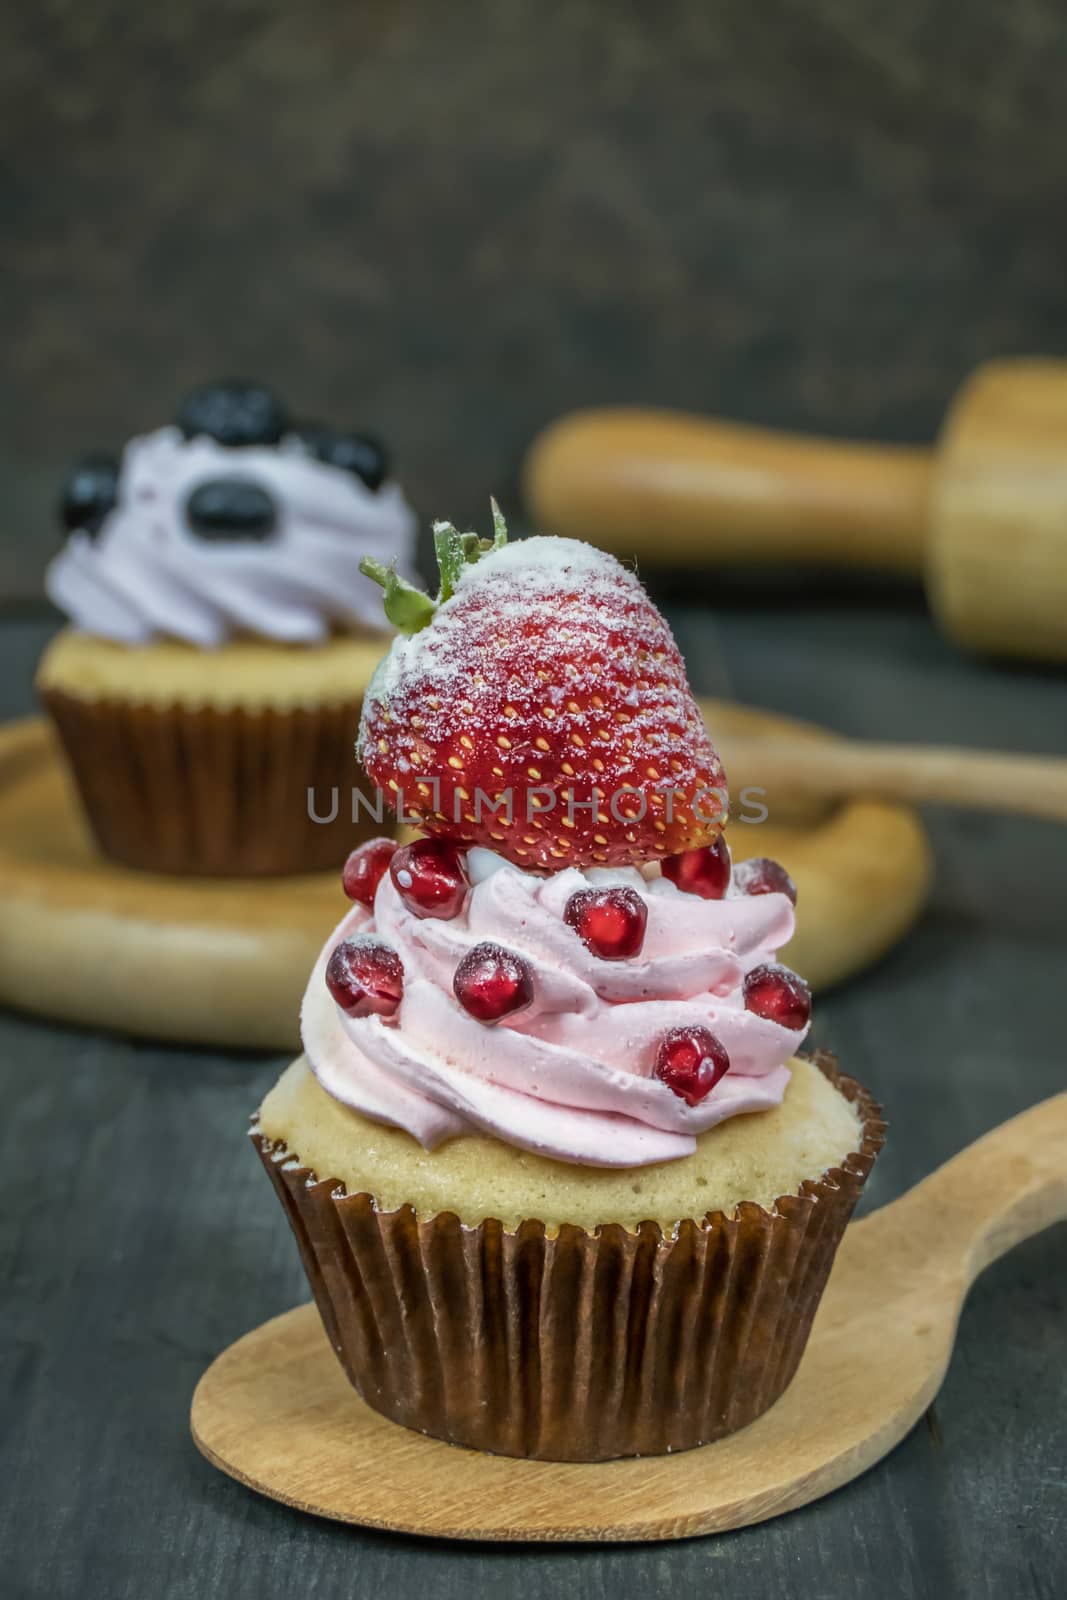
562	1185
208	689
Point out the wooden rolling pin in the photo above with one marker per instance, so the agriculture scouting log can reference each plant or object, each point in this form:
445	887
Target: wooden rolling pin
982	517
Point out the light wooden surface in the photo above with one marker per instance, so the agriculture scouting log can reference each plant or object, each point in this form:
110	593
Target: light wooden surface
276	1412
214	961
225	962
982	517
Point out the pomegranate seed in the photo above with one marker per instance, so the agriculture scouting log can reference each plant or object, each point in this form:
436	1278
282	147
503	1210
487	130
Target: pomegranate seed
705	871
779	995
691	1061
365	869
365	977
609	922
761	875
430	878
492	982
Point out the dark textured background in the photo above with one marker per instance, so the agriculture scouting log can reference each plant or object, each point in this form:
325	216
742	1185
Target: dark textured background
455	221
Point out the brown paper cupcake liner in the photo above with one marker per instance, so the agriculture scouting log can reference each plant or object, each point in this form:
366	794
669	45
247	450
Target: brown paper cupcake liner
215	792
572	1345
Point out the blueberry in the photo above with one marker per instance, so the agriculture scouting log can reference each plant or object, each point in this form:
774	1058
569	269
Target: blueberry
358	453
90	492
233	412
231	509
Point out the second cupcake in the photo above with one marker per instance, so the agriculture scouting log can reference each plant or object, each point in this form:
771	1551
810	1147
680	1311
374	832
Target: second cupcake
209	688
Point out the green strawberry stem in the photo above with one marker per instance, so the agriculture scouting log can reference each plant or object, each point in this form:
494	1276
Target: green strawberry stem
408	608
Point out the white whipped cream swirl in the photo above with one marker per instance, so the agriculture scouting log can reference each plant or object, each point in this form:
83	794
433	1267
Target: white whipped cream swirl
571	1077
146	574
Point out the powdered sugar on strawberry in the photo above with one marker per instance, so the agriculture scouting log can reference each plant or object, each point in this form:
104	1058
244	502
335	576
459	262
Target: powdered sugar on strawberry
544	713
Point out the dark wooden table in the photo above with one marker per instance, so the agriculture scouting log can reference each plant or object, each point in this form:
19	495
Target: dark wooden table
138	1237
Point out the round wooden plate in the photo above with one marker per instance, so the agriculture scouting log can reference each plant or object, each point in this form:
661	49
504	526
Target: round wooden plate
224	962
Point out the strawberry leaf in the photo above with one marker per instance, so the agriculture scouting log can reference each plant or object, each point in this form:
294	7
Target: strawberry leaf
407	608
451	548
455	550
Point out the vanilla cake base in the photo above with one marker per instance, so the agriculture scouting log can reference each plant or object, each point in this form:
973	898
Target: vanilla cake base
244	672
759	1158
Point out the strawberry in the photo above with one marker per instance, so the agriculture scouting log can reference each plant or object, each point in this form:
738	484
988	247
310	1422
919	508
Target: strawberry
539	707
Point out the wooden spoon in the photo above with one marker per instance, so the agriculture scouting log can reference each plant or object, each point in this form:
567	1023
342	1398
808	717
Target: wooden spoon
799	771
798	779
276	1412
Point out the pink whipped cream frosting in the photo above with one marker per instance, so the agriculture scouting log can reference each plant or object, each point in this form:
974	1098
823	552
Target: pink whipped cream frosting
146	576
571	1076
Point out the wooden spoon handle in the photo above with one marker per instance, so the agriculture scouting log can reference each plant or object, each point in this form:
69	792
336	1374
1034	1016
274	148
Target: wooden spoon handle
796	772
999	1191
677	489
